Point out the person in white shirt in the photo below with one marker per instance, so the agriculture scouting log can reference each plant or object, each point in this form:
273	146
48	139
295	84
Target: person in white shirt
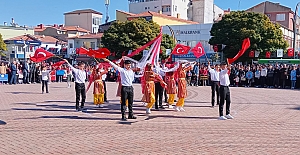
224	92
263	76
80	77
127	77
214	77
45	78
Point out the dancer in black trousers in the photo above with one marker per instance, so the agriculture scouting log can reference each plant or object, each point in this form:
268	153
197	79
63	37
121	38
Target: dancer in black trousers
80	77
224	92
214	76
127	77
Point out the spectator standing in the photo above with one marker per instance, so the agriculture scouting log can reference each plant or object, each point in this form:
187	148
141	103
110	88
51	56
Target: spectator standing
249	77
196	74
293	77
270	76
13	68
263	76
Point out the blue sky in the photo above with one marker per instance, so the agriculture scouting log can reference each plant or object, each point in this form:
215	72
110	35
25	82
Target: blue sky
34	12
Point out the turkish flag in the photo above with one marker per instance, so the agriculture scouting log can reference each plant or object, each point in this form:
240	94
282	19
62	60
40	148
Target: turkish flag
57	64
41	55
268	54
245	46
81	50
290	52
251	54
198	50
181	49
99	53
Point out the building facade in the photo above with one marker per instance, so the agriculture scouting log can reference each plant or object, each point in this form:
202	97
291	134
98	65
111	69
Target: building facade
88	41
60	32
27	44
190	35
13	31
88	19
282	15
172	8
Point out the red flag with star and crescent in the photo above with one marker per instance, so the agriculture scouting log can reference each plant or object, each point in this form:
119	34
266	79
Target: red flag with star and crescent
41	55
198	50
181	49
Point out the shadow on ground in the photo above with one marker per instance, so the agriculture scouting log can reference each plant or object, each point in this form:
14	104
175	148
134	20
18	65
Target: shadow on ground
2	122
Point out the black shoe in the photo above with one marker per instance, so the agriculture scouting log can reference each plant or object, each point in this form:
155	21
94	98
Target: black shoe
131	117
124	118
161	107
175	101
47	92
78	109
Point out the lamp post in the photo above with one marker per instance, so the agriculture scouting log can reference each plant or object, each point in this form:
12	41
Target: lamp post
294	28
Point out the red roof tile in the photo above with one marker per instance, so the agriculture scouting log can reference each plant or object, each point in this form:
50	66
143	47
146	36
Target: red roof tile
42	38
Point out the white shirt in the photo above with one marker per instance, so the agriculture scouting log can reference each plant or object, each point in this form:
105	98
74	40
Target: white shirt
45	74
127	76
264	72
162	71
224	78
214	75
104	75
79	75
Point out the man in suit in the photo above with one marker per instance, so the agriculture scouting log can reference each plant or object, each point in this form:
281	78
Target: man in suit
13	69
26	71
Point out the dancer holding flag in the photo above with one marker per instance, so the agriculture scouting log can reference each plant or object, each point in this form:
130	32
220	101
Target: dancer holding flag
182	91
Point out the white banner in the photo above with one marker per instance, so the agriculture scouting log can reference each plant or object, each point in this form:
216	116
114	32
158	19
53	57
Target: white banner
279	52
256	54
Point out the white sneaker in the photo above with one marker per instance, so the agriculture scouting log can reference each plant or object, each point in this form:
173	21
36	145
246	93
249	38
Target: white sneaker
176	108
144	104
222	118
170	106
229	116
148	111
127	109
101	105
181	109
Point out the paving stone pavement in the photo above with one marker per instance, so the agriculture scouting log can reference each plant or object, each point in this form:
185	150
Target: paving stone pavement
266	121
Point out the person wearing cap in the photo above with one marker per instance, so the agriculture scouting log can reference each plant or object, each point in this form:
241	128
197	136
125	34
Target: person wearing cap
224	92
214	76
127	77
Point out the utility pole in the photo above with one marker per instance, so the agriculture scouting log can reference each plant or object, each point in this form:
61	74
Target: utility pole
106	5
294	28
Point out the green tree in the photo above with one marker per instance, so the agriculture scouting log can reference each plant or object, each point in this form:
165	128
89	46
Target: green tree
130	35
2	46
238	25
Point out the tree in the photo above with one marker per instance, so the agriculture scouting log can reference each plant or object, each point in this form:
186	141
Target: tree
2	46
238	25
130	35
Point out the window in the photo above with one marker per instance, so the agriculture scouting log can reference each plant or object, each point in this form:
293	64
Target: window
71	45
166	8
175	8
280	17
96	21
93	45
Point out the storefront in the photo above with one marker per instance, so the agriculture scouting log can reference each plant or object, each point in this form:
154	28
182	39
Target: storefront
190	35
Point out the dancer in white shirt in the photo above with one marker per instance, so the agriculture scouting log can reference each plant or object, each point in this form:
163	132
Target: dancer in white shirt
224	92
215	88
80	77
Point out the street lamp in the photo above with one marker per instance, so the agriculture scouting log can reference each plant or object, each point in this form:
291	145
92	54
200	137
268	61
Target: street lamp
294	28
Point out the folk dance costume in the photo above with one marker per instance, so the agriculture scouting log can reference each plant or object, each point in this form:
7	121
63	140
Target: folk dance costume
149	88
171	89
98	87
182	91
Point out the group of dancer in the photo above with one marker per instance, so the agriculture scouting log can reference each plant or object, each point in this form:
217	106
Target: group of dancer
152	83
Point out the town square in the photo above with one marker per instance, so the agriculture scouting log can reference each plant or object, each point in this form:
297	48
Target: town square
150	77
